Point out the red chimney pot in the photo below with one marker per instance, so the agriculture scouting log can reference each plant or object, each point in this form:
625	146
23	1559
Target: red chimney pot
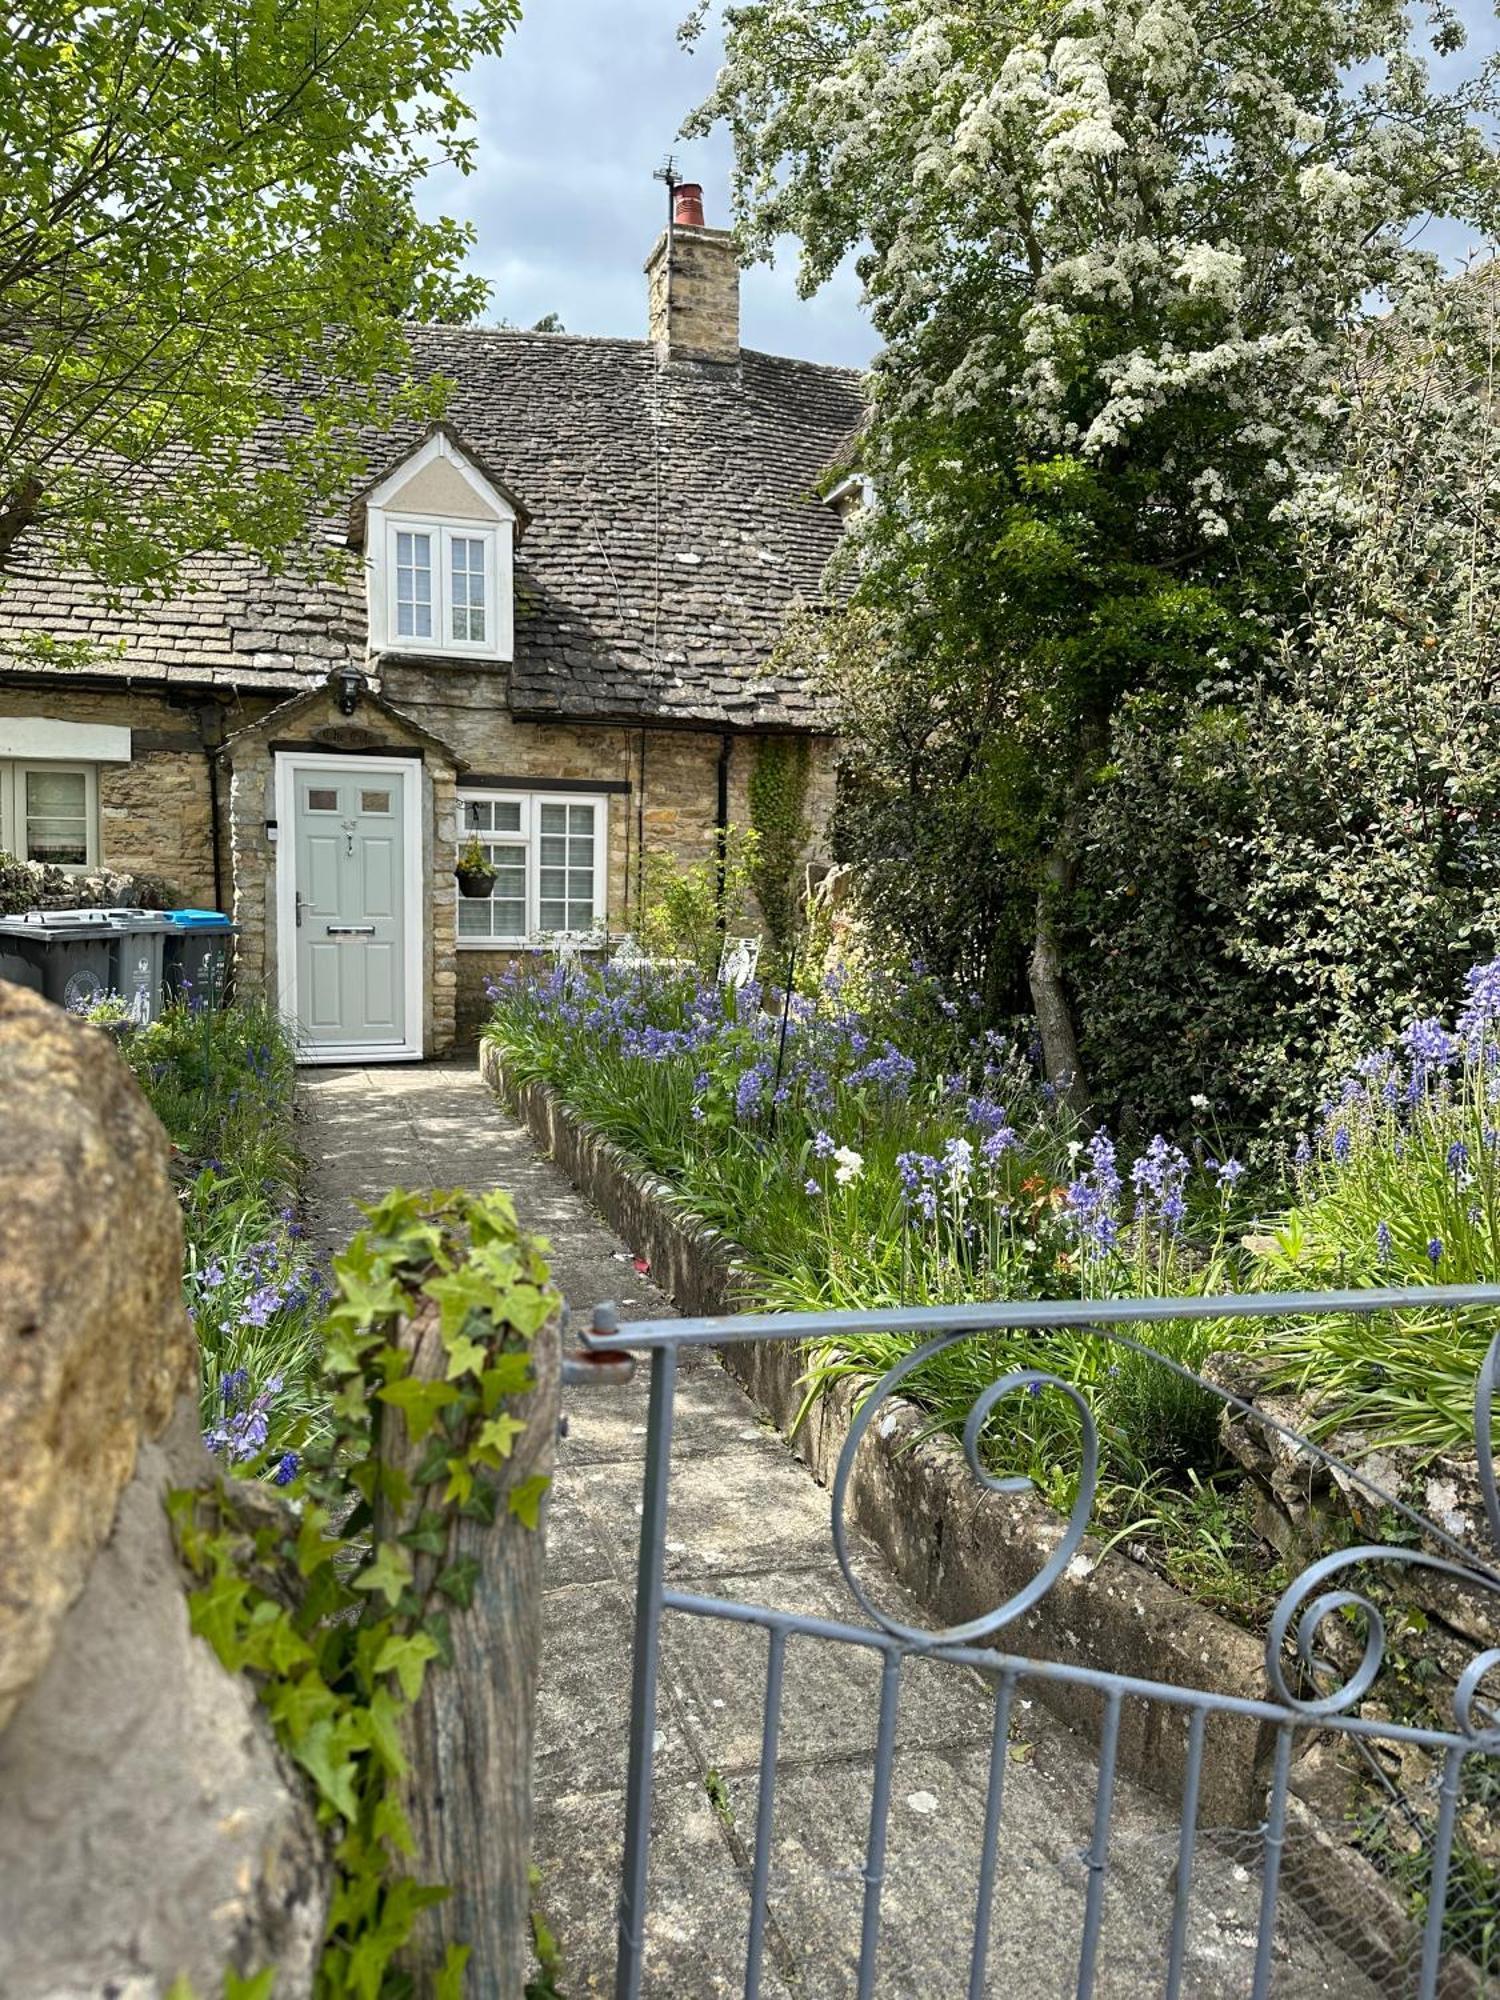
687	205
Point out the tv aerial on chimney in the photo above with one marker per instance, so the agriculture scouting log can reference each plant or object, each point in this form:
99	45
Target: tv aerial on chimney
668	173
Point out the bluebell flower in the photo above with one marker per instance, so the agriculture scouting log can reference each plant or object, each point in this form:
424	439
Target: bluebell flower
1458	1157
1383	1242
822	1145
810	1186
1230	1173
1343	1145
286	1469
1435	1250
1303	1154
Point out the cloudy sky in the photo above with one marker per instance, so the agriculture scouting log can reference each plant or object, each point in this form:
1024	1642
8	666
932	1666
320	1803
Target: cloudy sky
574	116
584	103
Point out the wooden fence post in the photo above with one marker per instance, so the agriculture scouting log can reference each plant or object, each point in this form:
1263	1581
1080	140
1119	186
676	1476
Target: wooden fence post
468	1737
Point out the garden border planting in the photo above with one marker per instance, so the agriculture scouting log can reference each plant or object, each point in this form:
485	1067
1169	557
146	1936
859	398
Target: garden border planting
958	1549
962	1550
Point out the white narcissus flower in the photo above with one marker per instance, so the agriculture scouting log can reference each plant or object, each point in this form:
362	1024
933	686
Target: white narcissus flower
1198	1101
846	1165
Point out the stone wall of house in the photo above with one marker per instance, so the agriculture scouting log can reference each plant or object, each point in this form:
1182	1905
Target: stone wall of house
155	812
251	789
670	807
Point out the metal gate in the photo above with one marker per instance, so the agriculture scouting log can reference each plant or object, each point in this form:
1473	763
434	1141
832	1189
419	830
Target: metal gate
1438	1943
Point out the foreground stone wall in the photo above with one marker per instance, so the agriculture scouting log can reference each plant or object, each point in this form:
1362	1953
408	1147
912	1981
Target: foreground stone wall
150	1830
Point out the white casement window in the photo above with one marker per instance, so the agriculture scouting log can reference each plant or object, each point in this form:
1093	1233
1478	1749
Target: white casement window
50	812
442	588
550	853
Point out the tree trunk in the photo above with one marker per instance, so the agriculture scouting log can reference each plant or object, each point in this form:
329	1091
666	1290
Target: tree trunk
1049	993
1049	996
468	1738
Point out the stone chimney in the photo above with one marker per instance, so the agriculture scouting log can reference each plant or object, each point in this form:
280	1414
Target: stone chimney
693	285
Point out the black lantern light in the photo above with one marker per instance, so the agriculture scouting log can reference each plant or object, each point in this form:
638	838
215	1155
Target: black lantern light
350	682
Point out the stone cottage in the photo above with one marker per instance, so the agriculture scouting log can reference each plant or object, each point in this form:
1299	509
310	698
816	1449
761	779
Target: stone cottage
554	634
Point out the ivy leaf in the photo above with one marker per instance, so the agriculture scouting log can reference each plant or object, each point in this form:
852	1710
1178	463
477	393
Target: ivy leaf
460	1481
458	1579
496	1439
389	1573
295	1706
507	1375
419	1403
324	1755
432	1464
382	1723
214	1614
439	1629
480	1505
429	1537
525	1500
314	1546
406	1657
389	1822
259	1986
349	1400
450	1980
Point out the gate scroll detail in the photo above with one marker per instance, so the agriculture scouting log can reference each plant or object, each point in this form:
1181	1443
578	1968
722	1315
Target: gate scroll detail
1306	1695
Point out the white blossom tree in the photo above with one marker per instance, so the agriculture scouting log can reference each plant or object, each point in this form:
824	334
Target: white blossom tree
1116	253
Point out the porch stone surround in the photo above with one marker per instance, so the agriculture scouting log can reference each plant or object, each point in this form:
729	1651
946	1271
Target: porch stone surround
315	723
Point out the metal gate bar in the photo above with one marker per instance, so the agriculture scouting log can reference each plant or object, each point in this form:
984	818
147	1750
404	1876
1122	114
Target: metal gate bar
1293	1628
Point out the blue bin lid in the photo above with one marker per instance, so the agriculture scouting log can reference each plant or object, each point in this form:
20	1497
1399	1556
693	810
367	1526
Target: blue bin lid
197	920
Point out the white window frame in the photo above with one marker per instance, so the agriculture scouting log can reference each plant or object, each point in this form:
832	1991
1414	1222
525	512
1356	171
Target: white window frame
13	774
533	938
495	526
443	535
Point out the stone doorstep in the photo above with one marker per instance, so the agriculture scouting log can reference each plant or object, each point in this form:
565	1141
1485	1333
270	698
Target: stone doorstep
961	1552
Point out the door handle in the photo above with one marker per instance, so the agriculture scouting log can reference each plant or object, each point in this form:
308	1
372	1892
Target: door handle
298	898
350	930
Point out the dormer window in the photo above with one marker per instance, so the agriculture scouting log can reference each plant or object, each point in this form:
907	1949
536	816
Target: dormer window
439	533
442	583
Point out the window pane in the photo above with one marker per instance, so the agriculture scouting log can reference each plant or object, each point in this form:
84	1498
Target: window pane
57	818
374	802
581	820
554	916
467	578
554	819
413	585
554	851
322	800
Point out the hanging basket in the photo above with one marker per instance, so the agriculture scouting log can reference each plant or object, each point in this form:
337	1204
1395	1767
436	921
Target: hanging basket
475	881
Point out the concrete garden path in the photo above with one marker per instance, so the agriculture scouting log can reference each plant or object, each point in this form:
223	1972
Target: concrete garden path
747	1520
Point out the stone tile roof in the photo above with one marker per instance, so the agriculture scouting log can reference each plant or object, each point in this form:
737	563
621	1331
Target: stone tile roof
674	516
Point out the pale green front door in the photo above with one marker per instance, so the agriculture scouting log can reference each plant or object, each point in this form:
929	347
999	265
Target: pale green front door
349	829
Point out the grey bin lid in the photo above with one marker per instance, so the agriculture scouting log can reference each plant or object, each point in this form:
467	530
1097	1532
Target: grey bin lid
82	923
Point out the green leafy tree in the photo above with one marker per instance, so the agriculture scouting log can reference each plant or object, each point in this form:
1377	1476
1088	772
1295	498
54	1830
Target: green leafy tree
1115	252
1271	882
206	210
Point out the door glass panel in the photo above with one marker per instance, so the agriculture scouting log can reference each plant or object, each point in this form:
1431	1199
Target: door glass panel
322	799
374	802
57	817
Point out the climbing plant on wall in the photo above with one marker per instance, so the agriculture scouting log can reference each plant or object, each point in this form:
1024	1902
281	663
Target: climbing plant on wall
778	819
337	1612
